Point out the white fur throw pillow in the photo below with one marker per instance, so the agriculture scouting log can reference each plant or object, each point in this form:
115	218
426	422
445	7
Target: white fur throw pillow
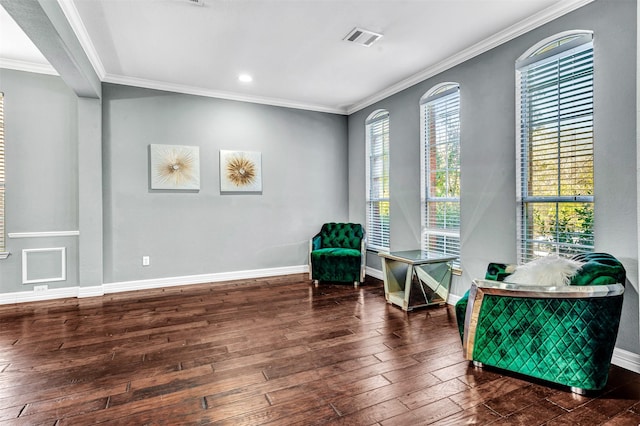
549	271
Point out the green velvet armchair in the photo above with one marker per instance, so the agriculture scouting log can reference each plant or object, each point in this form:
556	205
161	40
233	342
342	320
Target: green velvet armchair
337	253
561	334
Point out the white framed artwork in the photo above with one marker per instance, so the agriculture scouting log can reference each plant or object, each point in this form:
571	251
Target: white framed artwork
174	167
240	171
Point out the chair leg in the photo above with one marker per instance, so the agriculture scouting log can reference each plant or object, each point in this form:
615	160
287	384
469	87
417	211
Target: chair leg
579	391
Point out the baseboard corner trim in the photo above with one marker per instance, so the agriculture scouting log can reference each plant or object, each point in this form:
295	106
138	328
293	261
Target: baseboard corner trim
375	273
626	359
453	299
92	291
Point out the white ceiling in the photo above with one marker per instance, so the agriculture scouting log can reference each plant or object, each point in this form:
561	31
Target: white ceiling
292	48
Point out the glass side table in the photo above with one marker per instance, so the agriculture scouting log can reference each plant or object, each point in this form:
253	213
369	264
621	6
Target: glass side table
432	272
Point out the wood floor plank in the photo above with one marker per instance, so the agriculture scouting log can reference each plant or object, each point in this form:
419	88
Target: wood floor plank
536	414
518	399
580	416
275	351
382	394
374	414
487	392
624	419
425	415
422	397
478	415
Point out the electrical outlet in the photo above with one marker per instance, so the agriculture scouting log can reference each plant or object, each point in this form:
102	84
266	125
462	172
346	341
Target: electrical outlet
145	260
40	287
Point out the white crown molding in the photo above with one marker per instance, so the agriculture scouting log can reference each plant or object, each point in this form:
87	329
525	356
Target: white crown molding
504	36
44	234
73	17
33	67
516	30
191	90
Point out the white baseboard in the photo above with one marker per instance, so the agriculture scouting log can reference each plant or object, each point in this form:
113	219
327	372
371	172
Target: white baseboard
204	278
38	296
375	273
93	291
453	299
627	360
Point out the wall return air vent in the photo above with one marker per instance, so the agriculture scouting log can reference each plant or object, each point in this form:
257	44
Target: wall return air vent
362	37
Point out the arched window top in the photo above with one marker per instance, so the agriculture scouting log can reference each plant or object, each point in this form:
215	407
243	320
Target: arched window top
439	91
376	115
555	45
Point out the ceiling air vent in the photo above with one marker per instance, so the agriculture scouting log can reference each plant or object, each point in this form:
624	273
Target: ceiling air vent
362	37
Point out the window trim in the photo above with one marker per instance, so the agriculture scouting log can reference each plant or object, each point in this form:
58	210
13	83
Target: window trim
374	118
3	236
533	54
577	41
437	92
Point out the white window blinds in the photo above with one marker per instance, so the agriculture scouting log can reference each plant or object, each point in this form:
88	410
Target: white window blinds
2	228
556	149
440	116
377	127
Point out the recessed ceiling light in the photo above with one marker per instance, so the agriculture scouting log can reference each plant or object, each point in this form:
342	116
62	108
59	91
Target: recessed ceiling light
245	78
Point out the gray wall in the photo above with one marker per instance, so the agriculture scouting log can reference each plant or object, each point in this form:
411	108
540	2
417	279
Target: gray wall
304	166
41	170
304	156
488	208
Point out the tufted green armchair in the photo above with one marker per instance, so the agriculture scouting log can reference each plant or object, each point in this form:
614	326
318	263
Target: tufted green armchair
337	253
562	334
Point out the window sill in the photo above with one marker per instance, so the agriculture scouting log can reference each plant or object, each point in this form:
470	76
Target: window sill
4	255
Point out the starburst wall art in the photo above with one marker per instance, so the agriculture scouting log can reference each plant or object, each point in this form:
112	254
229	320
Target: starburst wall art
240	171
174	167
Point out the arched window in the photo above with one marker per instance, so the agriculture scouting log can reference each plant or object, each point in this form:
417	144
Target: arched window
377	169
555	147
440	169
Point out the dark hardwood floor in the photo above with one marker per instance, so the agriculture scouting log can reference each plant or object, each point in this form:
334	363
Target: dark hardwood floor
267	351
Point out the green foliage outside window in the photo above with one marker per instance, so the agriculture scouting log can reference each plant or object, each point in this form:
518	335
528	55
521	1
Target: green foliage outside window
556	169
